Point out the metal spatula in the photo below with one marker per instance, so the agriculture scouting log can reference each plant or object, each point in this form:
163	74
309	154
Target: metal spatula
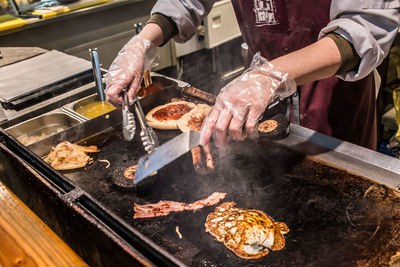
166	153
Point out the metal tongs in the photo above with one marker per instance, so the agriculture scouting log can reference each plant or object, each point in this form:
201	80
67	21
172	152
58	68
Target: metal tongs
147	134
128	120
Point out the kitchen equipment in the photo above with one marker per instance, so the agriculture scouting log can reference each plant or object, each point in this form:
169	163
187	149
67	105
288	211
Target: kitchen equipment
41	127
160	83
94	56
166	153
90	107
50	68
184	142
332	214
147	134
128	120
339	200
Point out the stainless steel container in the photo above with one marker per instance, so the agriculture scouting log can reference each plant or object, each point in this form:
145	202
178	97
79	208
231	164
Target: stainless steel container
38	128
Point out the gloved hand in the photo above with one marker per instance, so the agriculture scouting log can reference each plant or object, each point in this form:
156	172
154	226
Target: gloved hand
127	68
241	103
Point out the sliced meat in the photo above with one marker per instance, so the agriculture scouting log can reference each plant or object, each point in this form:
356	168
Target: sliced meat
163	208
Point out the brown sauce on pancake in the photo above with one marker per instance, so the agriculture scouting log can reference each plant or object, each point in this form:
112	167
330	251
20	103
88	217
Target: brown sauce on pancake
171	112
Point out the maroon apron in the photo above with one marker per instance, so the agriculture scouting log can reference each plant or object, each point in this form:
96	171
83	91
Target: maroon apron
345	110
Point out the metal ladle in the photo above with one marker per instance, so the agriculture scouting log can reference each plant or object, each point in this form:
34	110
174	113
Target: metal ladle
94	55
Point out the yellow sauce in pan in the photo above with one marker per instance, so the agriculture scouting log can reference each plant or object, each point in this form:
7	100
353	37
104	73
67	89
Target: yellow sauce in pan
95	109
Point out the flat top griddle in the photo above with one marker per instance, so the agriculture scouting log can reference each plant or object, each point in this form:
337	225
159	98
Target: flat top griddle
334	217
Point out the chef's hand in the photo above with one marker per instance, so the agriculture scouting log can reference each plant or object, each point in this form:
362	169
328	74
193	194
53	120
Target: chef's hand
241	103
128	67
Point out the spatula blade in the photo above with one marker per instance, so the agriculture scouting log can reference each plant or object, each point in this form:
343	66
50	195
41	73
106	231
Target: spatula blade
166	153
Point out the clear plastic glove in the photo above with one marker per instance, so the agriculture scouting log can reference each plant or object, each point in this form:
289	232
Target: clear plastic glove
127	69
241	103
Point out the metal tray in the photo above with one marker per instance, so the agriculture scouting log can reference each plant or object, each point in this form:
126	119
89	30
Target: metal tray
44	125
160	82
71	107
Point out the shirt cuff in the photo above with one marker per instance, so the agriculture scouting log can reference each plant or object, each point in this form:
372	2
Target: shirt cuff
166	24
350	59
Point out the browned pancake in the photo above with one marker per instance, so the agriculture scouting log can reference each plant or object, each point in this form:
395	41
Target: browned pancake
248	233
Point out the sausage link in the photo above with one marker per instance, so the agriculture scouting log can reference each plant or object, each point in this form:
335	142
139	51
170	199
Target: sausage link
194	92
209	158
197	161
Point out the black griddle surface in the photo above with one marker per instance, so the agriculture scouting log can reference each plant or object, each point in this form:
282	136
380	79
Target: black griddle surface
335	218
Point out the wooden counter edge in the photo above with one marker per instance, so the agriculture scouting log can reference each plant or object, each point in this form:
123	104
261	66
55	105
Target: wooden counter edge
25	240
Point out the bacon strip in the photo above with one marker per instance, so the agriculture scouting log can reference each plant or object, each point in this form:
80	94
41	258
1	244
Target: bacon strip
165	207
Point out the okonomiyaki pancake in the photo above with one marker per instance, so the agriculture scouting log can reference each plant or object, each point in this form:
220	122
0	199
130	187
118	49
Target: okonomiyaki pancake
250	234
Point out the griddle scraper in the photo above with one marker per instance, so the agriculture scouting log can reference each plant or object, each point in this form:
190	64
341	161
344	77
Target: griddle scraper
165	154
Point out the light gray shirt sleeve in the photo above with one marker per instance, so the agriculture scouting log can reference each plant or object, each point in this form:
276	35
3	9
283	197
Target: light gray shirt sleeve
187	14
370	25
